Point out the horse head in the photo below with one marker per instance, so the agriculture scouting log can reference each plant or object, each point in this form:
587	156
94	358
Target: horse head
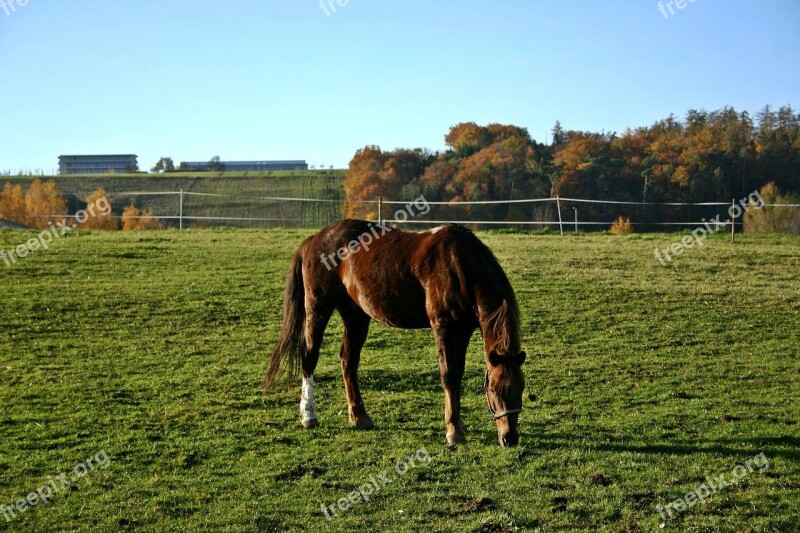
503	386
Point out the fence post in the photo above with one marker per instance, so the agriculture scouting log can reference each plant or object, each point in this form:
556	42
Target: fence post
733	221
180	215
380	210
560	224
576	220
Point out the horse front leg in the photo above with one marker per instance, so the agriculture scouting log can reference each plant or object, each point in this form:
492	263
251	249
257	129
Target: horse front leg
451	346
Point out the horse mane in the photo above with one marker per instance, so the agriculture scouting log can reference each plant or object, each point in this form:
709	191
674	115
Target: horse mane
503	324
498	314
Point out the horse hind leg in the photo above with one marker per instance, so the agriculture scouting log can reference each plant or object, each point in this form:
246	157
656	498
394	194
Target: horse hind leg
316	322
356	327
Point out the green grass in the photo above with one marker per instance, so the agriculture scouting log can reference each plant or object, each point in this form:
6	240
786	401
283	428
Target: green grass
642	381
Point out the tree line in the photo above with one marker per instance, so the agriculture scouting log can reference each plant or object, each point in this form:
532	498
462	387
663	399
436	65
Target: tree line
40	205
707	156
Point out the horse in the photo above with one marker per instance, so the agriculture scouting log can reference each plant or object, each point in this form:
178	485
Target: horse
444	279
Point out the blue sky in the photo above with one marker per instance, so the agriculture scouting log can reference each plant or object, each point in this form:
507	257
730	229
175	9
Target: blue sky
267	79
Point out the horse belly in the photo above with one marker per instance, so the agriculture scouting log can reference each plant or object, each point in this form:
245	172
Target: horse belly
401	306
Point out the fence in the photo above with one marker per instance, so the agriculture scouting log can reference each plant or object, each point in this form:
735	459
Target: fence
184	209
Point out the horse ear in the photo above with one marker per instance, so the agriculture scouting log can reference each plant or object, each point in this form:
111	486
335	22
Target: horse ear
494	358
521	358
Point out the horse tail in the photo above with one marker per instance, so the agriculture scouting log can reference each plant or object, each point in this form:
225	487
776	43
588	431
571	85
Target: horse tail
291	344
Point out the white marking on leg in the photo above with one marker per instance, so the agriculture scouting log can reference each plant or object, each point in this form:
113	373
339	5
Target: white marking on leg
307	412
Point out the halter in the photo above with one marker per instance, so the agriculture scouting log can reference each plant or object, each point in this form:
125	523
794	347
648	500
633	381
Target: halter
496	415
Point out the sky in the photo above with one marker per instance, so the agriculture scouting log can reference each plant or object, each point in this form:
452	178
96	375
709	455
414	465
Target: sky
297	79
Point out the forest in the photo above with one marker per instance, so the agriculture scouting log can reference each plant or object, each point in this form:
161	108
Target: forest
706	157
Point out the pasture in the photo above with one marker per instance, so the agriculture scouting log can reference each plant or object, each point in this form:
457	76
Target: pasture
642	382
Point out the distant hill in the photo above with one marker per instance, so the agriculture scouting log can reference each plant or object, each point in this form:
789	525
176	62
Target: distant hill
238	189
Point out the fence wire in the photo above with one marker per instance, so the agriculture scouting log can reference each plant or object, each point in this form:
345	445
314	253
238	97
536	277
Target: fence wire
188	209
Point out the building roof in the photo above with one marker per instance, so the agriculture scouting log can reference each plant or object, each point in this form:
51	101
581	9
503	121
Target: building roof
295	162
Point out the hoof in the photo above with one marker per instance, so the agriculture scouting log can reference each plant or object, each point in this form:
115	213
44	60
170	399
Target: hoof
456	438
365	422
309	423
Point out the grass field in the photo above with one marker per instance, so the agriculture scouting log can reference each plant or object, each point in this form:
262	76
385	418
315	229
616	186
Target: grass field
643	381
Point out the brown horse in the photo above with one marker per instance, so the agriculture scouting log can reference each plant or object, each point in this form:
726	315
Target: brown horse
445	279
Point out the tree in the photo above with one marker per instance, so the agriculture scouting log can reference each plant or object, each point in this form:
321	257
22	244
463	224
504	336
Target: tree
467	138
559	135
216	164
706	157
586	166
375	173
777	147
165	164
12	204
135	220
437	179
362	182
42	202
773	219
98	206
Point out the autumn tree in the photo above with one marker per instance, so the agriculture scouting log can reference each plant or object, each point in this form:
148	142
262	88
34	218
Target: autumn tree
135	220
42	202
496	162
362	182
707	156
103	217
467	138
375	173
768	219
494	171
12	204
438	179
587	166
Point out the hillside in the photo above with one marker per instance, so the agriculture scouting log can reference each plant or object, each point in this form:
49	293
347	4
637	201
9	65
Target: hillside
239	189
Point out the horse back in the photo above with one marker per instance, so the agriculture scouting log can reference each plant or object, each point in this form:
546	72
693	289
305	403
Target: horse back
400	278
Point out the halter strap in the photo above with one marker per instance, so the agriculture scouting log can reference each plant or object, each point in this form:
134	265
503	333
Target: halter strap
506	413
495	414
